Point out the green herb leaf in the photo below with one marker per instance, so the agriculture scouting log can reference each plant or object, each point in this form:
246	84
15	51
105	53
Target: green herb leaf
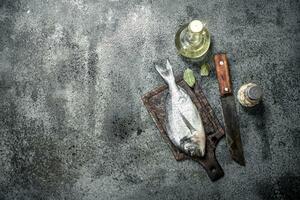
204	71
189	78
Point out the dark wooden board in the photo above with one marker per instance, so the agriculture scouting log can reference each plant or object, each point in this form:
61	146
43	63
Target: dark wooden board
155	104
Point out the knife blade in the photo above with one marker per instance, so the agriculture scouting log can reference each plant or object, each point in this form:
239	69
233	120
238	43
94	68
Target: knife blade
232	130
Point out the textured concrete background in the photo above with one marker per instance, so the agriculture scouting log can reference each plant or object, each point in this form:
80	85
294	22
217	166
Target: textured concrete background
72	125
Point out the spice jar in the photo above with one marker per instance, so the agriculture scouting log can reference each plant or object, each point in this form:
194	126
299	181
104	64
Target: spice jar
249	95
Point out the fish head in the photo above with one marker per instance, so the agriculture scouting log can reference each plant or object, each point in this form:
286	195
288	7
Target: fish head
193	150
190	147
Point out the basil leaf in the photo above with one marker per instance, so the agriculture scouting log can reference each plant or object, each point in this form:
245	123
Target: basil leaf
189	78
204	71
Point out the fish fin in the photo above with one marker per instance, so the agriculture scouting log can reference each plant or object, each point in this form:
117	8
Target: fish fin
198	136
200	139
166	73
188	124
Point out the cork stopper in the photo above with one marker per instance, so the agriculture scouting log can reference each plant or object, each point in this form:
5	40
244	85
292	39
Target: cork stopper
254	93
249	95
196	26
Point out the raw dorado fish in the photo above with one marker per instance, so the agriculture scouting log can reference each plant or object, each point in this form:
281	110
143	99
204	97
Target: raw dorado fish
183	122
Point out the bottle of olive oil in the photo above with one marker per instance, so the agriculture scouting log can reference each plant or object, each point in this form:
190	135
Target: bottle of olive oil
193	40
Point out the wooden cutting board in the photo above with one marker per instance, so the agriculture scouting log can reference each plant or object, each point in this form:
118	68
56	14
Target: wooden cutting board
155	104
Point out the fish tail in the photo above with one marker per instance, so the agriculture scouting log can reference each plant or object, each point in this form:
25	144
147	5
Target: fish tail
166	73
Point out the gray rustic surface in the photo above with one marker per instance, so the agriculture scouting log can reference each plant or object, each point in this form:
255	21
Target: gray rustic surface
72	125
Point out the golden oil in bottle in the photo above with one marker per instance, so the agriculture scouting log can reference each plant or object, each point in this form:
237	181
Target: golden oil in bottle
193	40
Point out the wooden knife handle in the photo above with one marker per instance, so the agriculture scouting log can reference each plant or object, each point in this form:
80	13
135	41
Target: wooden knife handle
223	74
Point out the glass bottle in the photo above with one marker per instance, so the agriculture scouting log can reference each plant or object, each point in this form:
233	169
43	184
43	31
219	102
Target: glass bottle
193	40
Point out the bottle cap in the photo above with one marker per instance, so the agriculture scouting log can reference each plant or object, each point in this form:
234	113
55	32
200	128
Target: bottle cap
254	92
196	26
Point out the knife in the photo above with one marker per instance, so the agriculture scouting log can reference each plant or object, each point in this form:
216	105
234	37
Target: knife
232	130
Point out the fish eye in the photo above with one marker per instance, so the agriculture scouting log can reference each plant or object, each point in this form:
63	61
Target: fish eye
187	147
